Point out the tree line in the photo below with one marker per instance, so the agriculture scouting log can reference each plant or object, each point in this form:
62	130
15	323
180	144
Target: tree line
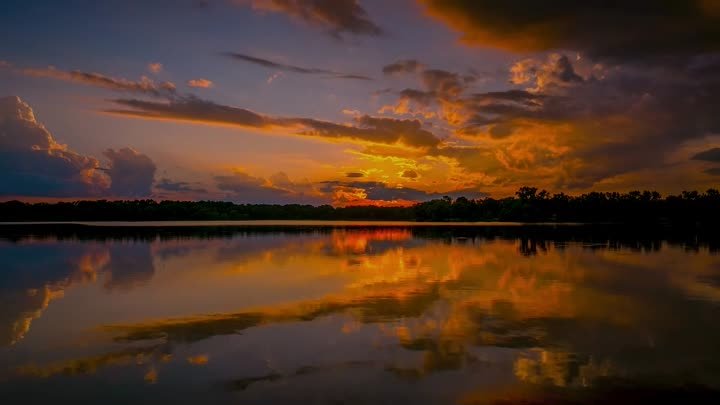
527	205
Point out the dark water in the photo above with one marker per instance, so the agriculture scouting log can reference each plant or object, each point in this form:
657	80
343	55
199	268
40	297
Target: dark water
360	315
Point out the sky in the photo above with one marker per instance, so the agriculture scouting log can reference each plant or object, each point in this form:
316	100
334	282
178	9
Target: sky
355	102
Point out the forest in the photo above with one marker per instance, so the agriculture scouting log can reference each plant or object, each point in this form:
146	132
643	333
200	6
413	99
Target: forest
527	205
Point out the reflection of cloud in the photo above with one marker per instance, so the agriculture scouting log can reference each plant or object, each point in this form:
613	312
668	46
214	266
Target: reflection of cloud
90	365
131	265
37	273
444	298
561	369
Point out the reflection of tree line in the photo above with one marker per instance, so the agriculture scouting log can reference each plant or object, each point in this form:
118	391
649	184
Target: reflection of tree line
528	204
638	238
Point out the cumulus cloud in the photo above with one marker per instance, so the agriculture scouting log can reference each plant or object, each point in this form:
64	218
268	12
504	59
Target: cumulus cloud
32	163
293	68
337	17
574	124
200	83
145	85
131	172
556	71
637	30
365	128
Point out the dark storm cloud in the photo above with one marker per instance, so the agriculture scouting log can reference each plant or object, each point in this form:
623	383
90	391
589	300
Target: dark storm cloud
618	30
710	155
131	173
338	17
295	69
574	121
365	128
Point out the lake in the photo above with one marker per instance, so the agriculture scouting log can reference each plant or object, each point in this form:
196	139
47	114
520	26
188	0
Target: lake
357	313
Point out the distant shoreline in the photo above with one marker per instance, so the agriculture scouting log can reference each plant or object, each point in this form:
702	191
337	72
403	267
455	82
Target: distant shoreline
529	206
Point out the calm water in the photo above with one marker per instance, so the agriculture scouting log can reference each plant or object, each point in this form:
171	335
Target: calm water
361	315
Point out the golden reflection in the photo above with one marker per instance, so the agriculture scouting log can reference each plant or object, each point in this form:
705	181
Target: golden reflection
199	360
560	368
443	301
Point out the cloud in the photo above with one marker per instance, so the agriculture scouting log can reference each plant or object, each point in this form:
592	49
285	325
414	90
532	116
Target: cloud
404	66
338	17
710	155
132	173
143	86
278	189
354	192
713	171
354	175
295	69
574	125
200	83
556	71
636	30
165	184
366	128
32	163
409	174
445	83
155	67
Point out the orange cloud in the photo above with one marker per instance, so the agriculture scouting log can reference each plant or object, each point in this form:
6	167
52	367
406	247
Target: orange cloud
143	86
155	67
200	83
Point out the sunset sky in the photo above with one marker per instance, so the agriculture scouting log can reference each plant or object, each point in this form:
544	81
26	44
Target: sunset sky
356	101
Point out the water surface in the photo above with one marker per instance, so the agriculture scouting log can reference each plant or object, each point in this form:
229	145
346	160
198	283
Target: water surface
358	315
